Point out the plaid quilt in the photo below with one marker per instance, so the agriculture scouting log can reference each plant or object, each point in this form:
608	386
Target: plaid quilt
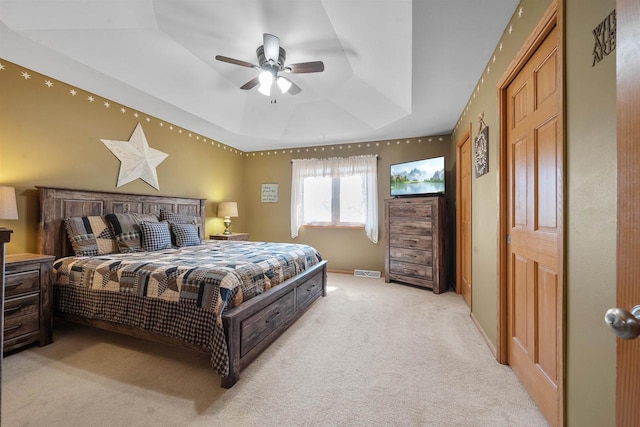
179	293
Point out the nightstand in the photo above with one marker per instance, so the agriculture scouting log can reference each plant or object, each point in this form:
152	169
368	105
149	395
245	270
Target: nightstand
232	236
27	300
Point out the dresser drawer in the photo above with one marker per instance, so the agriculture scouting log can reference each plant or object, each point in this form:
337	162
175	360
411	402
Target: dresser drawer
21	315
412	241
260	325
411	226
417	210
413	256
20	283
308	292
409	269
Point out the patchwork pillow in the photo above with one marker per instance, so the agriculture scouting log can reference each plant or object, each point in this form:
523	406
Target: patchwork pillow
185	234
126	228
155	236
166	215
90	235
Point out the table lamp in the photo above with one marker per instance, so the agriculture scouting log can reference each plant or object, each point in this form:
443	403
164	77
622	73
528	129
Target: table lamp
8	206
227	210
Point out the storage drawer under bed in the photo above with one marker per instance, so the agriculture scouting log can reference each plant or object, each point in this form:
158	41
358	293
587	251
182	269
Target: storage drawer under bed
255	328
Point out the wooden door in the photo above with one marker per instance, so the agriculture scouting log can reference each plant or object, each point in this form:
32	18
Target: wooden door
534	227
463	218
628	244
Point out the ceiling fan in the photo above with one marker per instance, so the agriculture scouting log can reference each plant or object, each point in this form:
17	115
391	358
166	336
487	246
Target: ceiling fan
271	59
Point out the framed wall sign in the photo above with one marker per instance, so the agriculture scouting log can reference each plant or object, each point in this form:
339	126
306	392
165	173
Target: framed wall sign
269	193
482	151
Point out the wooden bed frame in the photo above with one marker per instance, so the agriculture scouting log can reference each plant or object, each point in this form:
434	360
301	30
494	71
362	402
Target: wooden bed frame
249	328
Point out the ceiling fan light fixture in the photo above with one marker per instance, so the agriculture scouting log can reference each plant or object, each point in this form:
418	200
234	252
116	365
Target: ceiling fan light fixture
283	84
266	81
271	62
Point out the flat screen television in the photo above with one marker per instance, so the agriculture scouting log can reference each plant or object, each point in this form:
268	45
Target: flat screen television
418	177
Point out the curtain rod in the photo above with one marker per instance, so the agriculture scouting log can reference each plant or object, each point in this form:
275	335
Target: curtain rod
329	158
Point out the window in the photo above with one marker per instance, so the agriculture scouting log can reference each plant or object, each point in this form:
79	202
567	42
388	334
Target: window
337	191
337	200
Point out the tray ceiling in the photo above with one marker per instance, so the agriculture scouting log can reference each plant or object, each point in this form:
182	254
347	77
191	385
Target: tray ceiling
393	68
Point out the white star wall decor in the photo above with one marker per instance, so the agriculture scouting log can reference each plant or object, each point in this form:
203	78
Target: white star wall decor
137	159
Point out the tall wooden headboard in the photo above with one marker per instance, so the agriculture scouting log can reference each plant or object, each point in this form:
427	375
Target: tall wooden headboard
56	204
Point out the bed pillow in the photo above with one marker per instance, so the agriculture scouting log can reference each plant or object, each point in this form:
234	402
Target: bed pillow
165	215
185	234
90	235
126	227
155	236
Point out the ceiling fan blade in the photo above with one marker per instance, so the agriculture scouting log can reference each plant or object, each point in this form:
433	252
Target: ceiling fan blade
235	61
294	89
250	84
306	67
271	46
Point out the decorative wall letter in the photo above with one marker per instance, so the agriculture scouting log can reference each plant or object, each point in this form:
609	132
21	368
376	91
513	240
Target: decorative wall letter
605	35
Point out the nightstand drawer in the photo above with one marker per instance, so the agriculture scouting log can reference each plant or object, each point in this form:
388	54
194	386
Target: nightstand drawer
27	300
20	283
21	315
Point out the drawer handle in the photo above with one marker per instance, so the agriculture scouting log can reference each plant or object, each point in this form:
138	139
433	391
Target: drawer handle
13	329
310	288
12	287
10	311
272	318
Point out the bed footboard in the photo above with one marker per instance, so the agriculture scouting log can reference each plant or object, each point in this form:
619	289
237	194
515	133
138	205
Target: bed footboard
255	324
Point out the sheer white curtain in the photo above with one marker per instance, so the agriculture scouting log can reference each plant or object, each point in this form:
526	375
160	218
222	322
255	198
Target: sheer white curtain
366	166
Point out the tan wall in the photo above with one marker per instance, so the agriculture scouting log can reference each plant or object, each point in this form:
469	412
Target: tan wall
590	204
49	137
591	224
345	249
485	198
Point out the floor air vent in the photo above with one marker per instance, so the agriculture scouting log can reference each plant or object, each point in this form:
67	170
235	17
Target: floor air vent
366	273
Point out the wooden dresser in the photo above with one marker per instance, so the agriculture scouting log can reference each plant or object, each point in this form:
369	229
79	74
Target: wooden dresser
27	300
415	230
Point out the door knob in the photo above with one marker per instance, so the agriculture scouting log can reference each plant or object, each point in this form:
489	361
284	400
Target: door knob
624	324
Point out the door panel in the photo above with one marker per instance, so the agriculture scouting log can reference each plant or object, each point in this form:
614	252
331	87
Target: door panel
628	235
547	321
519	308
545	153
519	184
534	151
464	218
545	81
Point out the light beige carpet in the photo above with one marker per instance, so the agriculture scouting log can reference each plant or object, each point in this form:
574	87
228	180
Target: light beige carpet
369	354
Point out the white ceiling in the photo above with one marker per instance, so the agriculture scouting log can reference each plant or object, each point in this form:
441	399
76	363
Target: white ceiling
393	68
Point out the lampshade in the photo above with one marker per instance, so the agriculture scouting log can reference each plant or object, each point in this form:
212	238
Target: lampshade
229	209
266	81
283	84
8	206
